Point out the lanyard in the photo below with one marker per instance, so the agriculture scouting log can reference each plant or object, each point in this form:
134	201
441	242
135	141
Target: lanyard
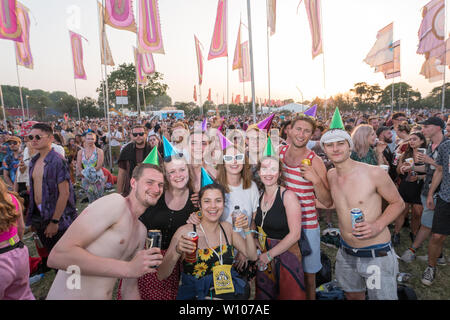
220	244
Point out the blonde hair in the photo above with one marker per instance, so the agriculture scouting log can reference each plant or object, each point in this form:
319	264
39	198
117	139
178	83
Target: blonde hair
360	137
8	212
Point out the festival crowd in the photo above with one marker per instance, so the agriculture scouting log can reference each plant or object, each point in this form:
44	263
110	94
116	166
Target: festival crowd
237	203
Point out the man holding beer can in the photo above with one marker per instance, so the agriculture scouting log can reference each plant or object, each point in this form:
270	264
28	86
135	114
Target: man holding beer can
366	259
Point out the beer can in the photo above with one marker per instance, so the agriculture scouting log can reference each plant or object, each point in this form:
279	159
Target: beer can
357	217
192	257
153	240
306	162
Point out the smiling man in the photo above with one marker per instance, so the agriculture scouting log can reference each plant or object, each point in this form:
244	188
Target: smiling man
366	258
106	242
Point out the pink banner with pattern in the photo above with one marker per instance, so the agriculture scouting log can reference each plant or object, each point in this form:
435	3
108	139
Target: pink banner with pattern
77	56
219	40
150	39
23	50
9	24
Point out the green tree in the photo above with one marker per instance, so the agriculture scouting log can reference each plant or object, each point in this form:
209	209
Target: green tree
124	78
403	95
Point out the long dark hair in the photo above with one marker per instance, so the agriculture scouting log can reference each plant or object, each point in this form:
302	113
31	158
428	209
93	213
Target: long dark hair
409	151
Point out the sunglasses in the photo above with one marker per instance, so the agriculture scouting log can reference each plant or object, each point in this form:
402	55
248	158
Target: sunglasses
31	137
238	157
177	156
140	134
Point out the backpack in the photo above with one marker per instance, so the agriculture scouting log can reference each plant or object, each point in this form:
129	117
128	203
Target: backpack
325	274
405	293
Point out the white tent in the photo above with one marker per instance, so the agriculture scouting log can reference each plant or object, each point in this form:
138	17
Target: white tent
293	107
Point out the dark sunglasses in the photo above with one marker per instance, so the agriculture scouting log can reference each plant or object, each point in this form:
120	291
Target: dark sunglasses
13	143
141	134
177	156
31	137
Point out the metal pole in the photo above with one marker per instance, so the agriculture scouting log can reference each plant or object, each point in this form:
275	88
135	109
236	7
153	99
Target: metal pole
445	62
250	41
200	98
76	96
323	64
143	94
28	109
268	51
107	91
392	97
3	108
228	67
20	91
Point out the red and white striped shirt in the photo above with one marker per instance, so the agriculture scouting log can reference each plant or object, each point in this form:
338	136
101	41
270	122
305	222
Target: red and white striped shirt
304	190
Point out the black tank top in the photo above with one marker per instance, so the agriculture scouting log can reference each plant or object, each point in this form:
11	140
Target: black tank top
275	224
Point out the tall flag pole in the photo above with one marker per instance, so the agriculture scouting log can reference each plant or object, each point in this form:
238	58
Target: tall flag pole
3	108
250	41
198	52
271	6
106	92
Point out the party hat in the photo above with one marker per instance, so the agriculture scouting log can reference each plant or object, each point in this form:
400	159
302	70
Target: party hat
204	125
336	121
269	151
311	111
224	142
206	179
152	157
266	123
169	150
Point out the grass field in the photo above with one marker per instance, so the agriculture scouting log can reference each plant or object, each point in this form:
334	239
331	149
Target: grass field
440	290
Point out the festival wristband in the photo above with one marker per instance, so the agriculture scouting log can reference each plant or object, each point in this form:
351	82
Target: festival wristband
268	256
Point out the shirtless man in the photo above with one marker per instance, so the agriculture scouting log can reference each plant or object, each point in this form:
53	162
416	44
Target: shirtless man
106	242
366	257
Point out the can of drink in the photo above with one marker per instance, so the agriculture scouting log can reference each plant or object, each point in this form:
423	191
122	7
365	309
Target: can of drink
153	240
192	257
357	217
403	277
306	162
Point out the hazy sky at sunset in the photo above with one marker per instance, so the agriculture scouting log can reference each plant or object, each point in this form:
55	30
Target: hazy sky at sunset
349	30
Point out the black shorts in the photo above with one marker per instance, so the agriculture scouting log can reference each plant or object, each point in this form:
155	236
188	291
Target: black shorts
441	218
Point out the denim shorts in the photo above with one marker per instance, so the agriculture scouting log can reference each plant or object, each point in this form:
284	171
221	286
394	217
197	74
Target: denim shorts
377	275
312	263
427	214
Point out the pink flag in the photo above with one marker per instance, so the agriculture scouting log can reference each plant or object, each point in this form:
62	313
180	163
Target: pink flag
77	56
313	9
141	78
198	51
271	15
119	14
23	50
9	23
150	39
105	50
237	61
147	62
244	72
219	40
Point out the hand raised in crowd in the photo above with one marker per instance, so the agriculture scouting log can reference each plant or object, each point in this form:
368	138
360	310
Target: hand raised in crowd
143	262
420	157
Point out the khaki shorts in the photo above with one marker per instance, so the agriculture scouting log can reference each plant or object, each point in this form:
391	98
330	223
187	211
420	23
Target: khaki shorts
377	275
115	151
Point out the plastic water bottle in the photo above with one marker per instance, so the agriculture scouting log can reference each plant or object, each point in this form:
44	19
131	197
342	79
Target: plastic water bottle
234	215
36	278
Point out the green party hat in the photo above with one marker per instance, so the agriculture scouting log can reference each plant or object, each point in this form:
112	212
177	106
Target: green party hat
269	151
152	157
336	121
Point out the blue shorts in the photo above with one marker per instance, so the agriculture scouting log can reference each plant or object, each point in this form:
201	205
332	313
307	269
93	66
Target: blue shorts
427	214
312	263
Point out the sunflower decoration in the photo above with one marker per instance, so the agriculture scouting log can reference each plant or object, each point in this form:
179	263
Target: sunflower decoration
205	254
200	270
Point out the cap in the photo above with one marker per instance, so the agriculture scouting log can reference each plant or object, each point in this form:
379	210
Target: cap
14	138
436	121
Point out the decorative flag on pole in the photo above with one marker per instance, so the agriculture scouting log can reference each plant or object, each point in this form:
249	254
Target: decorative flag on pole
77	56
150	39
237	61
198	52
271	15
313	9
209	94
311	111
245	99
104	44
219	40
141	78
391	69
10	28
23	50
237	100
431	40
244	72
147	62
381	52
119	14
195	93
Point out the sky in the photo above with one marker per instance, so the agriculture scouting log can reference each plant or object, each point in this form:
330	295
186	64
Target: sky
349	31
